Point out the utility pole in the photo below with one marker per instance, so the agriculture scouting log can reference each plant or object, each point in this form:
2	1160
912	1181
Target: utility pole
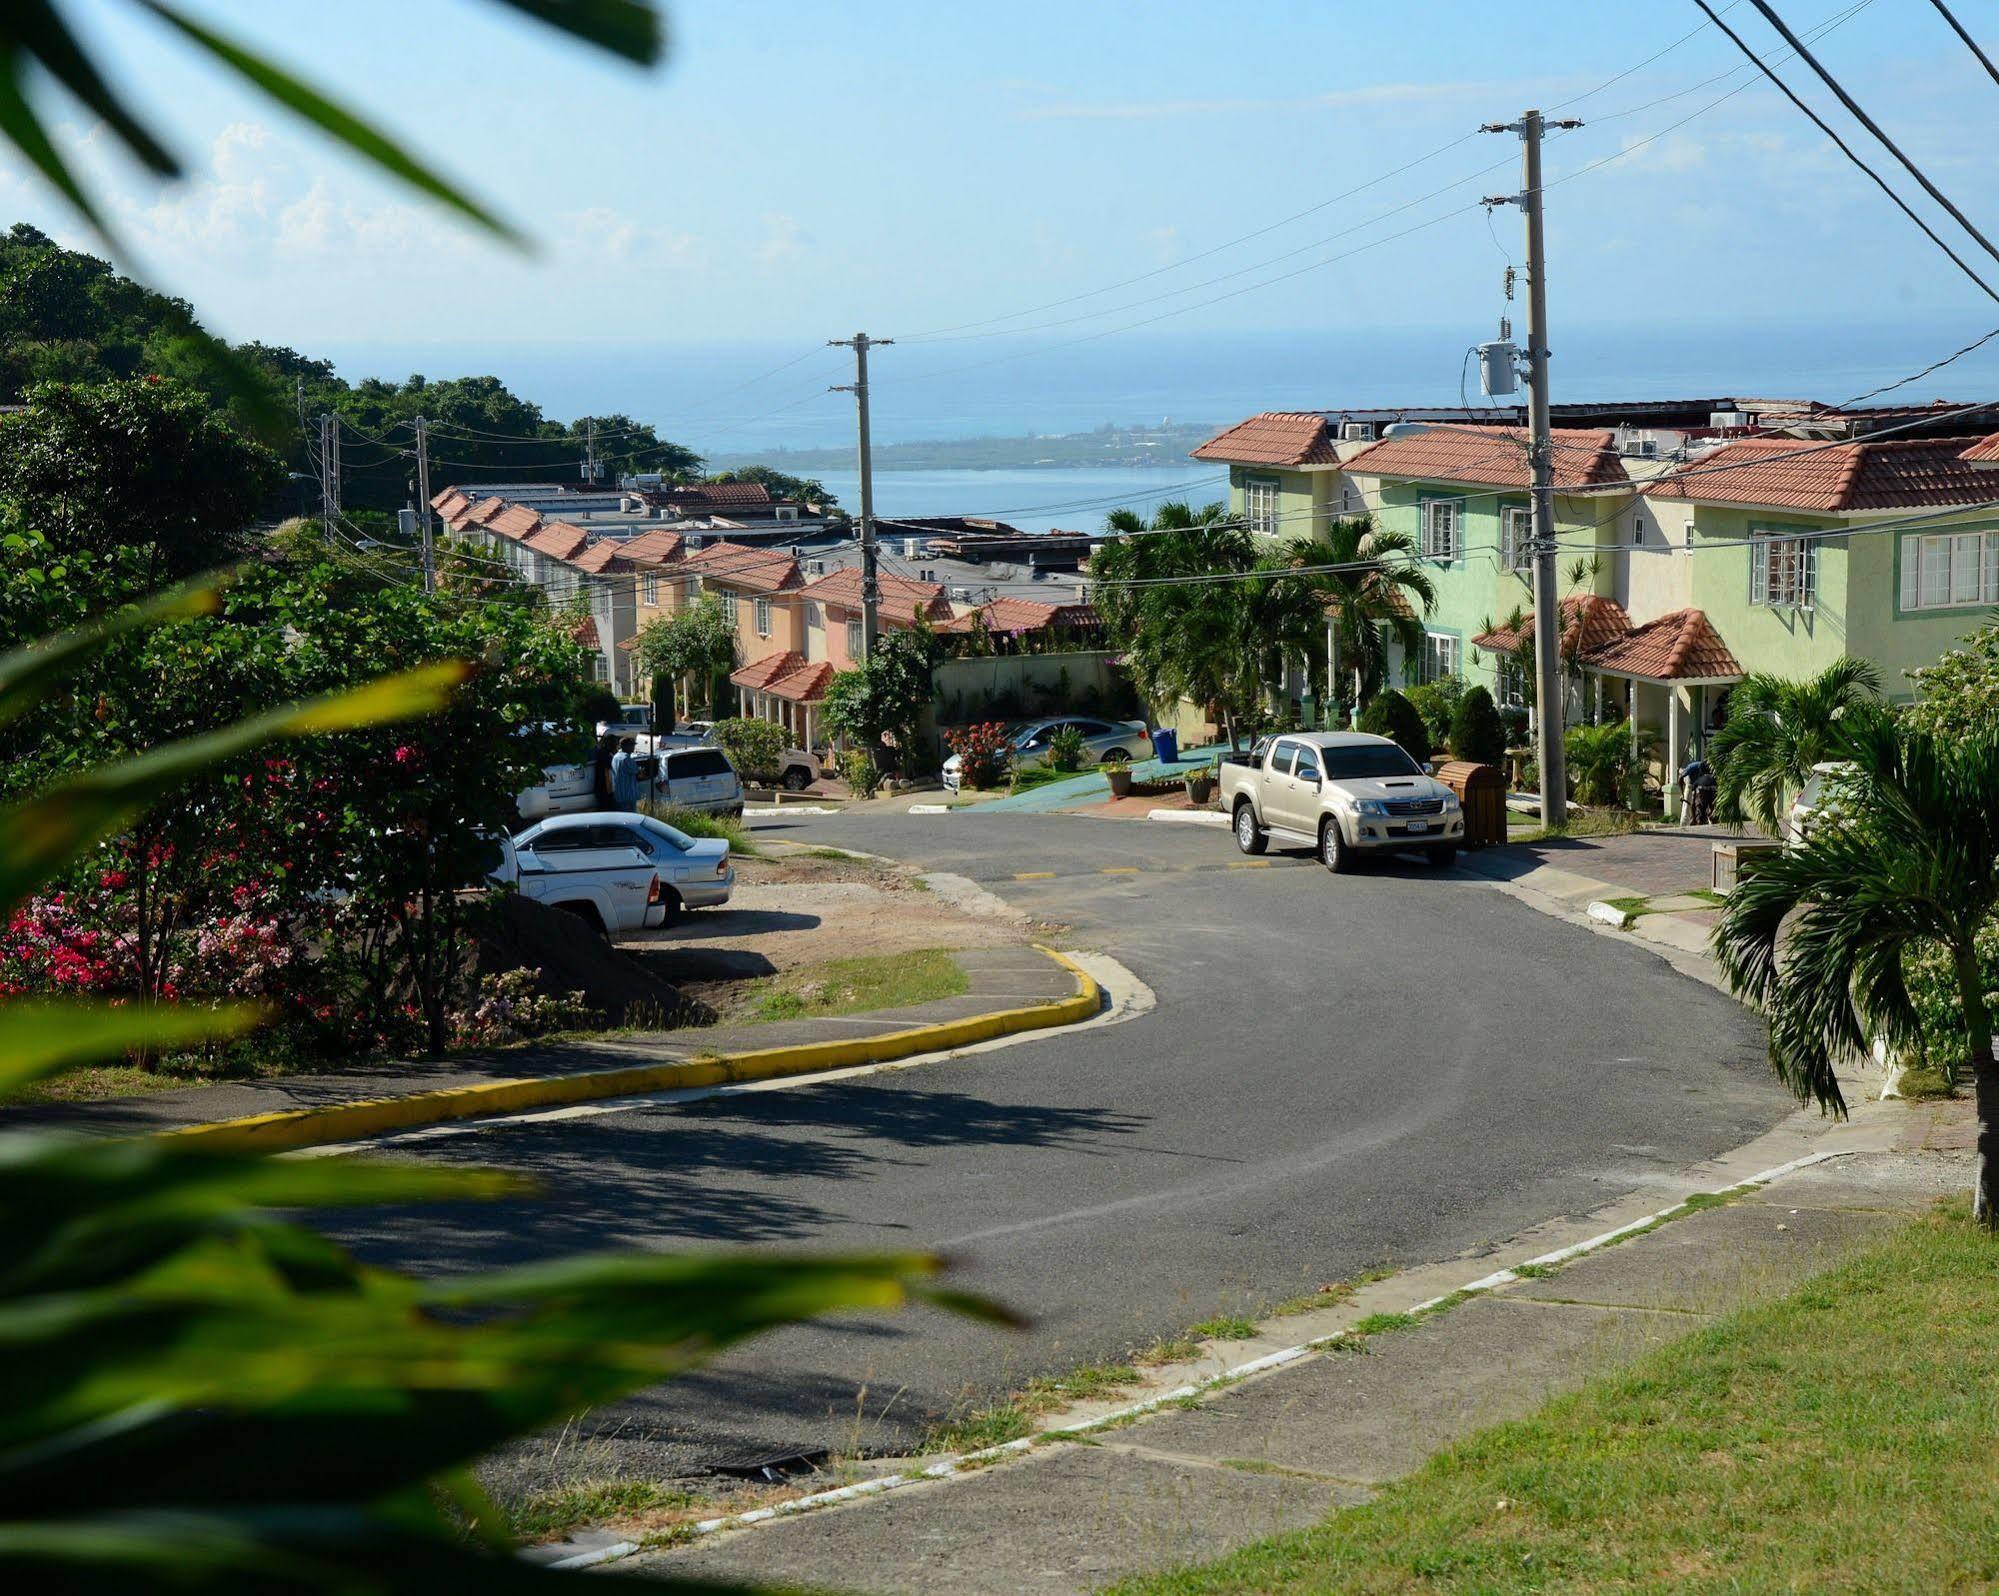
423	504
1548	694
326	472
861	343
590	451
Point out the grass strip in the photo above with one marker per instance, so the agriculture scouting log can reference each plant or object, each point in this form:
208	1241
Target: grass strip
1839	1437
857	986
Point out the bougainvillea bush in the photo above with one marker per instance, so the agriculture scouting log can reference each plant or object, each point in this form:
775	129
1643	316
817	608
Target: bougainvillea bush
982	752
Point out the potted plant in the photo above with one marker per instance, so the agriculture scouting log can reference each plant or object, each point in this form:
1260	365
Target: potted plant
1201	786
1117	771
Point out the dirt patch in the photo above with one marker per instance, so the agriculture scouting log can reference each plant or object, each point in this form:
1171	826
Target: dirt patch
793	910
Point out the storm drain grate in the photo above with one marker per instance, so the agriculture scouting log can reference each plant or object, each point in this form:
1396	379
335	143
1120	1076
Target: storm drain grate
776	1464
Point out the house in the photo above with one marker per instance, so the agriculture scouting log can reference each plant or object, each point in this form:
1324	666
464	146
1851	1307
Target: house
1014	625
832	612
1285	472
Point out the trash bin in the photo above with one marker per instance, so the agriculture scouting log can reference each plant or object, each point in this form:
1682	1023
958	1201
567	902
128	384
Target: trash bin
1166	744
1482	792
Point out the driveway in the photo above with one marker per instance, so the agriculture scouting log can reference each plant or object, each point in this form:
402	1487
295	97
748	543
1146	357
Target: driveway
1395	1066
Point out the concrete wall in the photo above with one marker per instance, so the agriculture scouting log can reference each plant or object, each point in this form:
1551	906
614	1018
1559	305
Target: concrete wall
1045	684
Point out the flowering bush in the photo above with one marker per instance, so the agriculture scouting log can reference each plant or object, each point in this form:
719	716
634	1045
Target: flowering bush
859	772
508	1008
981	750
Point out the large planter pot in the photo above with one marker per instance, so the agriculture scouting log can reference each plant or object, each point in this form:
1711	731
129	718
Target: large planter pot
1200	789
1120	781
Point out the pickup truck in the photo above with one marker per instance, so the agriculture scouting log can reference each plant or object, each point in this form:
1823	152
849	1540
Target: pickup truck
617	872
1344	794
695	777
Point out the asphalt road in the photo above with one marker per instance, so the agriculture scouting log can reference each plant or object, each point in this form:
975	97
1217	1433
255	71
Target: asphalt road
1391	1067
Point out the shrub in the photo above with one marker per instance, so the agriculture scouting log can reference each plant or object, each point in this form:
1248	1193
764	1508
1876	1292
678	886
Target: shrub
1514	719
859	771
1477	732
699	823
1065	748
754	747
1437	702
1600	762
1391	715
508	1008
981	751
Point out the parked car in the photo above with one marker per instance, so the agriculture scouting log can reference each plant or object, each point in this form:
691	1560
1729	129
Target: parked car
619	872
1027	742
634	720
697	777
1813	801
1342	793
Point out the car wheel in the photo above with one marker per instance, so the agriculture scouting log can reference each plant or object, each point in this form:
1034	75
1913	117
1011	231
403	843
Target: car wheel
1115	754
1334	853
797	779
671	908
1249	836
1444	855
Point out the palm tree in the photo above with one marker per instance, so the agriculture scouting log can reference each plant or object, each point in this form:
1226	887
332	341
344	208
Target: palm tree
1777	730
1374	592
1906	856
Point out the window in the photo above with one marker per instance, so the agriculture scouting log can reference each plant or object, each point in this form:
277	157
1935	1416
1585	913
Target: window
1308	764
855	641
1259	505
1280	760
691	762
1638	531
763	617
649	589
1516	537
599	669
694	587
1512	684
1950	569
1783	572
1362	760
815	617
1439	657
1443	528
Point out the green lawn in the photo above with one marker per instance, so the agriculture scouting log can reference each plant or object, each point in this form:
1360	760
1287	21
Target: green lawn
1843	1437
855	986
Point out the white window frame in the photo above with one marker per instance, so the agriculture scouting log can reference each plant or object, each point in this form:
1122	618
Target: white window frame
1259	505
1516	536
1783	570
1442	529
1441	655
649	590
1512	683
761	612
1949	570
857	640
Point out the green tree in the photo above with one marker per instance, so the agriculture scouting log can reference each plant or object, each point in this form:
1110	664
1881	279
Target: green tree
754	747
779	484
144	463
692	650
1477	732
1600	761
1374	587
1389	714
1777	730
1904	860
1961	689
879	704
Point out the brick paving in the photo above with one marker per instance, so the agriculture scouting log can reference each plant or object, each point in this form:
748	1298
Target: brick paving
1652	862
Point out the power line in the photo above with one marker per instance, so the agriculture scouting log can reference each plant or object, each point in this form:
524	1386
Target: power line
1970	43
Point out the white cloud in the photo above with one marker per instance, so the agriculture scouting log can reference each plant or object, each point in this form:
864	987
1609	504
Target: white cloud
784	239
607	235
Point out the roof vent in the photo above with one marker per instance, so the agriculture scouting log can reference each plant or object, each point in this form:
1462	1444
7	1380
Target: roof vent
1405	429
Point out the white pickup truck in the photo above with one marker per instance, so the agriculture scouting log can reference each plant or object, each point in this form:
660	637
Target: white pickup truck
617	872
1342	793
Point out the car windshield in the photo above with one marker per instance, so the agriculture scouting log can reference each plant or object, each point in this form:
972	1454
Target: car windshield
1368	759
659	828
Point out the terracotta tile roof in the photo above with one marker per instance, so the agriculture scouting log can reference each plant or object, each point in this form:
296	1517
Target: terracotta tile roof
739	495
605	554
484	511
1022	615
1275	438
449	503
585	632
1680	647
654	548
559	540
516	521
760	673
1589	621
1493	457
901	597
1786	474
806	685
761	570
1984	452
1398	601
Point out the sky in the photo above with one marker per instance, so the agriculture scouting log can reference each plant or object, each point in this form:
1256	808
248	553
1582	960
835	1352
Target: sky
947	174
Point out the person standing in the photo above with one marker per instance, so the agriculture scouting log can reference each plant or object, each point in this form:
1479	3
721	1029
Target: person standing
600	773
625	775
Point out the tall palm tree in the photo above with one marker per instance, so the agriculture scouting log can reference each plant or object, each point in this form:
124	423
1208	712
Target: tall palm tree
1907	855
1378	590
1776	730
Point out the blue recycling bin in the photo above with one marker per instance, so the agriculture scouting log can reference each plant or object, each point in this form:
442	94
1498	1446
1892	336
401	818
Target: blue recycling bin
1166	745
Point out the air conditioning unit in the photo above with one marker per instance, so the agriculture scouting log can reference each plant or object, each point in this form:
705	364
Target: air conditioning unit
1356	432
1722	419
815	567
912	548
1640	445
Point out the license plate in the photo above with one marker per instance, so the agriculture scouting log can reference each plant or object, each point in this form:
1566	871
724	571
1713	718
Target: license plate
1418	825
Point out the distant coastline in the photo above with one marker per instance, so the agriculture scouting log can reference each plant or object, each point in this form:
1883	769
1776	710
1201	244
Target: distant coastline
1107	447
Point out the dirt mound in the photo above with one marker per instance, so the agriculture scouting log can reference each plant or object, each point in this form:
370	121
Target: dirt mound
572	957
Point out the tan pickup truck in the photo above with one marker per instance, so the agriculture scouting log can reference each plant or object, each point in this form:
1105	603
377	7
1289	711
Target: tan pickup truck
1343	793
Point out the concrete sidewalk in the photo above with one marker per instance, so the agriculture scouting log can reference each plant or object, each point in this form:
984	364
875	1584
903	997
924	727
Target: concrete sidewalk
998	978
1283	1448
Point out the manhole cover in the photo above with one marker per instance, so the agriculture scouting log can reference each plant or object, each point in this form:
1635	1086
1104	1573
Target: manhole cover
772	1464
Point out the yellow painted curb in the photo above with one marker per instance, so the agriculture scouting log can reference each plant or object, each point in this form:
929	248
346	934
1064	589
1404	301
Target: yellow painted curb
346	1122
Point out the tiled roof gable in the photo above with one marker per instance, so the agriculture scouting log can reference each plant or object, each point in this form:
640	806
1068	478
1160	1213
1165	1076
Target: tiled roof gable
1274	438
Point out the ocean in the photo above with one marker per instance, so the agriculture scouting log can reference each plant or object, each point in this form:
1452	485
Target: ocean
1043	499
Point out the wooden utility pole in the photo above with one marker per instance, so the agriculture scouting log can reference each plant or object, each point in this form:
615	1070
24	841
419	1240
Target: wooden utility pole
423	504
1549	697
861	343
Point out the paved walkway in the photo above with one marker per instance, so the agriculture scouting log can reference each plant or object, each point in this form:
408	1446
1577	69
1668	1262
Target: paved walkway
998	978
1284	1448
